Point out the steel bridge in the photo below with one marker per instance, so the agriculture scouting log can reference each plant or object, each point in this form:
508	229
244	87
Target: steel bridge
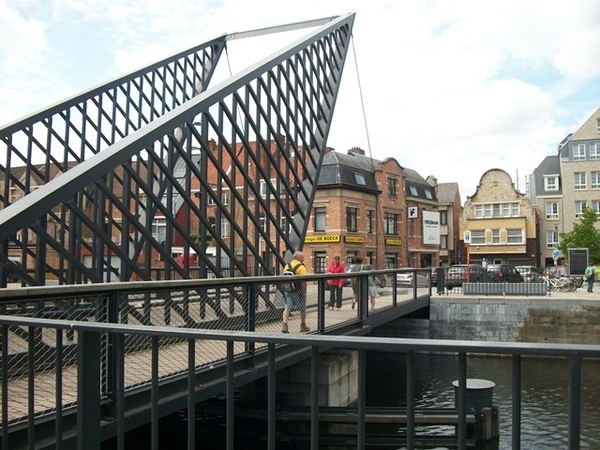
105	185
82	365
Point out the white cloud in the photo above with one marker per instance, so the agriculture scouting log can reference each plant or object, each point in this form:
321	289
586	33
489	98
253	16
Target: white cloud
450	89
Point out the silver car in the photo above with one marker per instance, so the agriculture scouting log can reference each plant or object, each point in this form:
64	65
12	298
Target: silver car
531	274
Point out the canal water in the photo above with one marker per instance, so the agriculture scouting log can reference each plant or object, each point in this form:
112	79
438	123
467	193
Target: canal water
544	407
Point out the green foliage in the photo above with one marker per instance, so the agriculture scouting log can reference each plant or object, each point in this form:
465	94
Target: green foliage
197	238
584	235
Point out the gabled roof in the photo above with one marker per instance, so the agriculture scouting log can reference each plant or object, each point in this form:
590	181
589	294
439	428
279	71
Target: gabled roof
589	129
346	170
412	178
549	166
447	192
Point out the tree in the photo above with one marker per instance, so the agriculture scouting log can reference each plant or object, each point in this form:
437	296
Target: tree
584	235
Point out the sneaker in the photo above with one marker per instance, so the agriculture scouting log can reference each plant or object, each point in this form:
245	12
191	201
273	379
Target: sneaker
337	309
331	308
304	328
284	329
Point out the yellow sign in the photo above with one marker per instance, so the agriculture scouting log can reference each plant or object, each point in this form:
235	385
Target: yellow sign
354	239
393	241
324	238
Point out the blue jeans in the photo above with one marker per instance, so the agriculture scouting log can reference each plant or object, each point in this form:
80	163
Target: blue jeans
590	282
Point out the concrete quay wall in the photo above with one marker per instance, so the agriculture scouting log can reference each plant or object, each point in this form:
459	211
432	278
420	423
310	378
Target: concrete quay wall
572	319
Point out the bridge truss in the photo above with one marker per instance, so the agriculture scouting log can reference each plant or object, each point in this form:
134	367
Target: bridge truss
115	183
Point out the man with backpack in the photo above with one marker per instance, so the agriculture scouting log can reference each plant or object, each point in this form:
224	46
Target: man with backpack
295	298
590	274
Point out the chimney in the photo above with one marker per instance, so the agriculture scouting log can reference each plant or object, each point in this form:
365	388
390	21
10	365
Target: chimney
356	151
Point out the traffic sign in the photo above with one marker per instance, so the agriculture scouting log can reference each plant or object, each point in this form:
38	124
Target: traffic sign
467	237
555	253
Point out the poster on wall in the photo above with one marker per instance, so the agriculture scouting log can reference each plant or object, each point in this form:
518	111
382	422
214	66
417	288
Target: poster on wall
431	227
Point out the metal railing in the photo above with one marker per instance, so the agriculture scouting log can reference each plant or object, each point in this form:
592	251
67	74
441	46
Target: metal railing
252	304
90	336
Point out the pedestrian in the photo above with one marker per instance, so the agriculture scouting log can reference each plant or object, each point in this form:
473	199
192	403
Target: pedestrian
336	285
373	289
296	300
356	267
590	274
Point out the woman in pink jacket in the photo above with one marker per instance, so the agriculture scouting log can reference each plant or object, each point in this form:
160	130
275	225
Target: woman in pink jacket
336	285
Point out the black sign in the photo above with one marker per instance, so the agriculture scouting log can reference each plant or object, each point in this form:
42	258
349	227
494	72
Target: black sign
578	260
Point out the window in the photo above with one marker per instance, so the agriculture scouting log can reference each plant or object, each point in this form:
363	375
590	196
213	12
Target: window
392	187
444	241
595	151
496	210
551	239
413	190
477	237
495	236
579	180
262	223
514	236
320	218
551	183
370	221
390	225
264	188
552	210
224	228
579	152
159	229
224	199
352	218
428	194
443	217
595	180
596	205
360	179
598	125
320	262
580	206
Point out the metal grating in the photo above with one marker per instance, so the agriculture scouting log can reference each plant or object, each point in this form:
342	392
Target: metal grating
105	186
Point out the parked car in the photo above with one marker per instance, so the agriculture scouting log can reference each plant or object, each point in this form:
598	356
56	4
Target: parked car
503	273
408	279
531	274
366	267
461	273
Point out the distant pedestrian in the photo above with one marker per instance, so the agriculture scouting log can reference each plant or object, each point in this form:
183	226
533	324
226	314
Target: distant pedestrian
590	274
356	267
335	285
296	300
373	289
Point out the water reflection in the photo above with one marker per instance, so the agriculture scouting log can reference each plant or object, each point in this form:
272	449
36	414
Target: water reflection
544	423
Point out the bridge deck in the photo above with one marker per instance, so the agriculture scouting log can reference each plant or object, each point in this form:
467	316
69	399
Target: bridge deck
172	357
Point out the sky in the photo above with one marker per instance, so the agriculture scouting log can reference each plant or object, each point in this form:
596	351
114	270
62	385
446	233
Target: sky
449	88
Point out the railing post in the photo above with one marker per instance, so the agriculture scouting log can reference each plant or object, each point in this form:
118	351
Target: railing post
88	391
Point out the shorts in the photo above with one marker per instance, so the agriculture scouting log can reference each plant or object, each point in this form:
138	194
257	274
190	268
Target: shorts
294	301
373	291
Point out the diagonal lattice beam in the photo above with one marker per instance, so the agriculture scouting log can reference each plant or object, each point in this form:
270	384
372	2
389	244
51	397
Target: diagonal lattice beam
158	161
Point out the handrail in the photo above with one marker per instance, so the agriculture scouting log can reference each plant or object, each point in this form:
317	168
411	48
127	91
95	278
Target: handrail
89	336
